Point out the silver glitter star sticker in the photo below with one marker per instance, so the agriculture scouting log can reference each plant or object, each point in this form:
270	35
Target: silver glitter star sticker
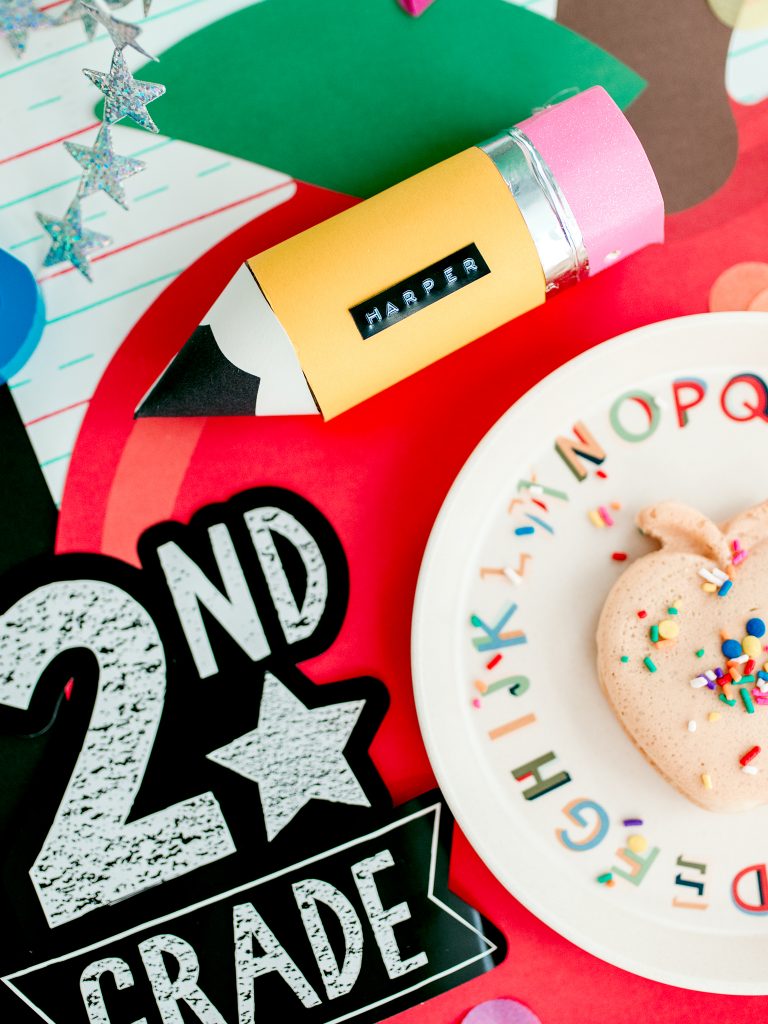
122	33
70	241
79	11
103	169
125	96
295	754
17	17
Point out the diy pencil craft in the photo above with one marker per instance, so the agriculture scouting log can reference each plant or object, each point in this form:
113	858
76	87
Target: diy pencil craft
357	303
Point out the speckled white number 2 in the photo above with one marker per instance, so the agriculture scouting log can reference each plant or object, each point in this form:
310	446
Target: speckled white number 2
91	857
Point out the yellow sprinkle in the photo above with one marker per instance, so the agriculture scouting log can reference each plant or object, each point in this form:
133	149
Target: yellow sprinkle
713	716
668	629
637	844
710	588
765	667
706	781
595	518
752	646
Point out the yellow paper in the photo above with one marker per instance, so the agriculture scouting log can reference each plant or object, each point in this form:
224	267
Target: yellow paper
313	280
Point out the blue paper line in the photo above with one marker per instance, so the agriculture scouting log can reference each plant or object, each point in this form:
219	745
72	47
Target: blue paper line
44	103
56	458
117	295
212	170
74	362
152	192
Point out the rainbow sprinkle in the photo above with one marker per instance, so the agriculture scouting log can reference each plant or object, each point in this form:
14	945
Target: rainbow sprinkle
750	755
739	554
605	515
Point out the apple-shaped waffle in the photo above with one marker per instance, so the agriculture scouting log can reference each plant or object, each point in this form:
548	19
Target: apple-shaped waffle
681	655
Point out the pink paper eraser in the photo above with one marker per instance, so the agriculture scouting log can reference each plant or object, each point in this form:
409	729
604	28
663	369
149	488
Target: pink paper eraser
603	172
415	7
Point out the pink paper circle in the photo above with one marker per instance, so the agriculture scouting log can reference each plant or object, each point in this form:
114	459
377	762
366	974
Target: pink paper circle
501	1011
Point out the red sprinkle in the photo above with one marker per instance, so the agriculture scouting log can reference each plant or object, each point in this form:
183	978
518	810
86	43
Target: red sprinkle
68	689
602	474
619	556
749	756
642	613
749	667
494	661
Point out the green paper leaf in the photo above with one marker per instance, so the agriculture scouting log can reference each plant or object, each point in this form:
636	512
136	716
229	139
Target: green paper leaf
355	95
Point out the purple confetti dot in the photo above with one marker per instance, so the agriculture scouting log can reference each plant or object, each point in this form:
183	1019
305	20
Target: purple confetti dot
501	1011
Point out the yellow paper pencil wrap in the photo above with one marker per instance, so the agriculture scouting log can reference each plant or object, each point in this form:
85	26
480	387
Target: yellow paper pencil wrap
388	287
357	303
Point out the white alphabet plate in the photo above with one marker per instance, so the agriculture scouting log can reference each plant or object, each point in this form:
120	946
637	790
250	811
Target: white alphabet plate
538	771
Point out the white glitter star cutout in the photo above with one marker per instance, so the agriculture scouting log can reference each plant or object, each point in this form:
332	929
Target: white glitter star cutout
295	754
115	5
125	96
17	17
122	33
103	169
79	11
70	241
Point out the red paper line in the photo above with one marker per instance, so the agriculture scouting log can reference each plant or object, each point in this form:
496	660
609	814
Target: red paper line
51	142
47	415
173	227
56	3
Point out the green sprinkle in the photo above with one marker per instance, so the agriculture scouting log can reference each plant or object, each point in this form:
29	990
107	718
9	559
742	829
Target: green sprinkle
649	665
607	877
671	611
624	659
700	652
746	696
654	631
546	490
724	699
746	679
475	621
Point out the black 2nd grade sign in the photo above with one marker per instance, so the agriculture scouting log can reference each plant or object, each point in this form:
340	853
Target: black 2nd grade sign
191	829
